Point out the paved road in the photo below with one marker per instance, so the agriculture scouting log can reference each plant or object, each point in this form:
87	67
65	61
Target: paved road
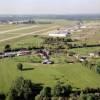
31	33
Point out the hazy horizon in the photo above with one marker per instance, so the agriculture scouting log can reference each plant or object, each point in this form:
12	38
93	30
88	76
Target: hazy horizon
42	7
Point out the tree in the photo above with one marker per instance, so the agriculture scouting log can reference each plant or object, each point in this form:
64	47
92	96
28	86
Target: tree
20	66
82	96
98	68
84	45
61	90
2	96
46	92
7	48
69	40
57	90
86	96
21	90
90	97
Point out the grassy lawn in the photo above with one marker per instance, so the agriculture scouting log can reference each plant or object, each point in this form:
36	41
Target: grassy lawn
85	50
74	74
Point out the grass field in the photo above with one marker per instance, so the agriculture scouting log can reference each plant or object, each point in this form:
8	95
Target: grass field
73	74
85	51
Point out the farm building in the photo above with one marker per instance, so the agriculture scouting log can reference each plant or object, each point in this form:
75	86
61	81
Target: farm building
60	33
94	54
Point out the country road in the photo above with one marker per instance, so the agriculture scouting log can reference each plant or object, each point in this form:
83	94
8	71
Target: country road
31	33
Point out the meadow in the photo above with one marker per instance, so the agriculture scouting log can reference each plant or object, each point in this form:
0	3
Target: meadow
74	74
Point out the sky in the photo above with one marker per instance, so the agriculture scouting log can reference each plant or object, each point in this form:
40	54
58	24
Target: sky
49	6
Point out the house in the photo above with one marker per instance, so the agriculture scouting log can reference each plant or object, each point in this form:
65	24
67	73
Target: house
91	54
23	52
94	54
10	54
59	33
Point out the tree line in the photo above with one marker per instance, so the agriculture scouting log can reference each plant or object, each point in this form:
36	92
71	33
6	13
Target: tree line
23	89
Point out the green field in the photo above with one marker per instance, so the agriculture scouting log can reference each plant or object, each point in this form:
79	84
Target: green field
85	51
9	27
73	74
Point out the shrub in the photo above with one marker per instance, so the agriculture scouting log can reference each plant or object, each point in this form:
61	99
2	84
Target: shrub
20	66
69	40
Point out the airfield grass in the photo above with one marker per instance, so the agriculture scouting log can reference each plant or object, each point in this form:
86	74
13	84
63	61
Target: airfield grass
23	42
5	27
20	32
23	31
73	74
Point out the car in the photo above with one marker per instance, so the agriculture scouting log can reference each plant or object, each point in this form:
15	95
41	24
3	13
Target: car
46	61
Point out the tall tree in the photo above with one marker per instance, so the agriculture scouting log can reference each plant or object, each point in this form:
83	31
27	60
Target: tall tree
7	48
21	90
